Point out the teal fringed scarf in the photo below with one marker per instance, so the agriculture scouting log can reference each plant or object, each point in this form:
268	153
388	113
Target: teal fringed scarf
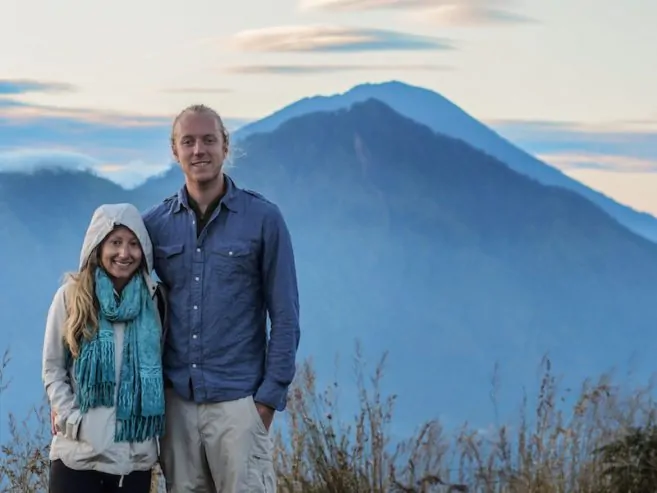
140	399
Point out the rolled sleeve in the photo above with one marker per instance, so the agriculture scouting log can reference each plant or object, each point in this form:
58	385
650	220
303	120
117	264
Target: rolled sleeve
282	300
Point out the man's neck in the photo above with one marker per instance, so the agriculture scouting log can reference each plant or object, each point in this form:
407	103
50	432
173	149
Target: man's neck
204	194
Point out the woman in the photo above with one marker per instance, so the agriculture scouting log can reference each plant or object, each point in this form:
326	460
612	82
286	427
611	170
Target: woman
102	362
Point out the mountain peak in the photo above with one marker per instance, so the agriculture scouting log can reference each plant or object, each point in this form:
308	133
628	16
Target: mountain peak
395	87
395	93
380	157
444	117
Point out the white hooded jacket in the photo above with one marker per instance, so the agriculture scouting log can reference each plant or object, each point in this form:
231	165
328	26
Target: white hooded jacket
86	442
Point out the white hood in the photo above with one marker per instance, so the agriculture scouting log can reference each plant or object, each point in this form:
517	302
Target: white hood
105	219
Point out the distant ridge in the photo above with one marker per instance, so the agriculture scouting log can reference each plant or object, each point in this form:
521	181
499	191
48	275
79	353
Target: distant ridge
444	117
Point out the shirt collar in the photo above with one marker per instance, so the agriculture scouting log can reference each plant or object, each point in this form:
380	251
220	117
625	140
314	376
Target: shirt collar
230	198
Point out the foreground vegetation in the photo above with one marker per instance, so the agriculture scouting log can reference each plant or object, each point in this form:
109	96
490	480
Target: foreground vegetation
605	443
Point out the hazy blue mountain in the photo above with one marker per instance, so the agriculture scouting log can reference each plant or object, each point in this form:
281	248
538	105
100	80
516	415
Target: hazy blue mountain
444	117
43	218
412	241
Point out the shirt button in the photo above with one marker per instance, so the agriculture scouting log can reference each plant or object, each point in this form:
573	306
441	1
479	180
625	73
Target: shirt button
193	365
230	253
195	307
194	336
198	250
196	278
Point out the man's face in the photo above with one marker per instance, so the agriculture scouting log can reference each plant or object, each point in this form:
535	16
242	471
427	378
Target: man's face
199	147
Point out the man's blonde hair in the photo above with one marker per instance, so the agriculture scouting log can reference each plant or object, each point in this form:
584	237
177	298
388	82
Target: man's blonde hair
201	108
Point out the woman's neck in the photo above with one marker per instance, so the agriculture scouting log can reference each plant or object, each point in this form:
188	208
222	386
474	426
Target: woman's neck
118	286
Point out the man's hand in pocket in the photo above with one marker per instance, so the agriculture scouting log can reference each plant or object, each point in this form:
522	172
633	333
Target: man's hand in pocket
266	414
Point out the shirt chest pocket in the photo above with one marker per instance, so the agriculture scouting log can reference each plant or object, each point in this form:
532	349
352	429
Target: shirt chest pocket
234	261
170	263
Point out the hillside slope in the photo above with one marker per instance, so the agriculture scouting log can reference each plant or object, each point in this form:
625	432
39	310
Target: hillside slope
444	117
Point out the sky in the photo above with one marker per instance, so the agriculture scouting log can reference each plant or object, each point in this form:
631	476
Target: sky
97	84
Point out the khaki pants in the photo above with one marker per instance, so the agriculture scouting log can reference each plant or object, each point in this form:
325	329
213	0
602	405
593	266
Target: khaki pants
216	448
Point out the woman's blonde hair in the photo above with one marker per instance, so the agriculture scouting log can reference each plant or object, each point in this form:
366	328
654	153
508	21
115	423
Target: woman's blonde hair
81	305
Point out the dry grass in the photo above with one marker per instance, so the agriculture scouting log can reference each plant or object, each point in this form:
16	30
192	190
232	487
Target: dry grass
553	449
24	457
603	443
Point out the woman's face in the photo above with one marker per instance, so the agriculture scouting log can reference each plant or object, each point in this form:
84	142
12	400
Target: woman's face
121	255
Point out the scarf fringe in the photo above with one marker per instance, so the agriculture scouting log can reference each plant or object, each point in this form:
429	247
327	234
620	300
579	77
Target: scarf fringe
94	366
139	428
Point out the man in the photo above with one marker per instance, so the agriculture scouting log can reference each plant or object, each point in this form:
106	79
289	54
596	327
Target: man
226	258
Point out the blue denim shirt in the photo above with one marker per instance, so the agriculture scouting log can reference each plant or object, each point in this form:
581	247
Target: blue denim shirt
221	286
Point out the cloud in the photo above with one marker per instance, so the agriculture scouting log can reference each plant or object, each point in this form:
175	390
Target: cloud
621	147
563	129
26	160
322	69
86	131
131	174
18	111
435	12
599	162
631	138
327	38
128	175
198	90
125	148
467	15
15	87
356	5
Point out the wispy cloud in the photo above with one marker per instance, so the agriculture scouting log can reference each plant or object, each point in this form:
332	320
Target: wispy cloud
30	160
355	5
565	128
198	90
17	111
15	87
321	69
437	12
621	147
129	174
125	148
468	15
569	161
623	138
327	38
